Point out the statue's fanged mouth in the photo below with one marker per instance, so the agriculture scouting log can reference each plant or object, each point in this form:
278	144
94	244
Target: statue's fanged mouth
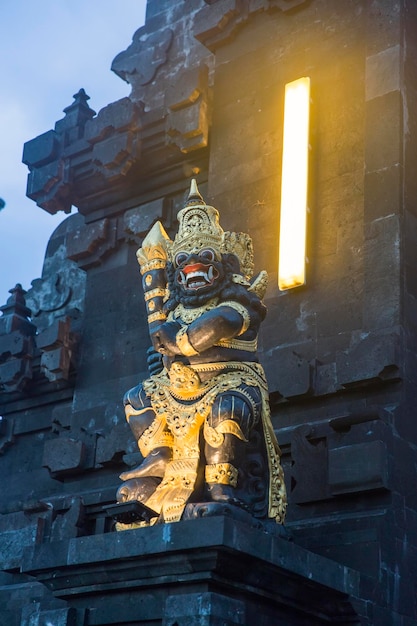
197	276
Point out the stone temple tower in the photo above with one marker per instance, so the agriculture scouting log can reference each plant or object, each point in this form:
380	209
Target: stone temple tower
207	84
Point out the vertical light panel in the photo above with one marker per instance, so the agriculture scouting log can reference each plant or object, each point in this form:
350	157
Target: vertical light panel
292	236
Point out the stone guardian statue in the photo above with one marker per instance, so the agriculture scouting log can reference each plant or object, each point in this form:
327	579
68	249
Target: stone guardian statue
202	422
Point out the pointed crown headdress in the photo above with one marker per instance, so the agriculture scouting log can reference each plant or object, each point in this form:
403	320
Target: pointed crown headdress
199	228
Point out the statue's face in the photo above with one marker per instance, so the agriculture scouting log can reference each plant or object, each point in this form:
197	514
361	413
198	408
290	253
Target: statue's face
198	272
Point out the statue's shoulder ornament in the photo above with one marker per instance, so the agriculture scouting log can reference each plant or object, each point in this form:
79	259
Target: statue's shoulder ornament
259	284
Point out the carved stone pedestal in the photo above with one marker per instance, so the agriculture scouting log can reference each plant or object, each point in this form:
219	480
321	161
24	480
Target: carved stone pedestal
205	572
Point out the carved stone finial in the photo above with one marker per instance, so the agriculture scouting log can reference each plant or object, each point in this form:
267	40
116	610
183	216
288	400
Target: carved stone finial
15	311
80	108
16	342
76	116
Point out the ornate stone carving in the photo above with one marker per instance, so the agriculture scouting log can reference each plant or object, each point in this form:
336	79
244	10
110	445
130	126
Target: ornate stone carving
139	64
17	345
219	22
114	135
107	145
64	455
188	119
202	422
92	242
49	181
74	164
57	344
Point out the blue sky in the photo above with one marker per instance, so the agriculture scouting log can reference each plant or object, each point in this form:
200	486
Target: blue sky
49	49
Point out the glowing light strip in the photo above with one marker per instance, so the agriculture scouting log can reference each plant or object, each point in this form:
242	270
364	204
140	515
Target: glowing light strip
292	238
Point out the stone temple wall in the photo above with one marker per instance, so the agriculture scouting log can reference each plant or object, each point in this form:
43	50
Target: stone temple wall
207	82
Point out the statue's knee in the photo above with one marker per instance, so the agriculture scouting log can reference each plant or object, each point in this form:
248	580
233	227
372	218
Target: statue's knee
138	410
242	408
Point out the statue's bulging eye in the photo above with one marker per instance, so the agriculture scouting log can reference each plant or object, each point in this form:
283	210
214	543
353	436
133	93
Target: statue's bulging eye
180	258
207	254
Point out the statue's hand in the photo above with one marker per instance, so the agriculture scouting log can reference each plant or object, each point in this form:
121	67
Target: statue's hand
164	338
154	361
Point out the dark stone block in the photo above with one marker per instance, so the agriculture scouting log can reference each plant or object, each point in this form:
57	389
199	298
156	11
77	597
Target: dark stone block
59	617
139	221
39	420
188	126
55	335
358	467
132	609
383	25
410	239
17	347
63	455
374	356
6	433
36	616
383	72
70	523
118	116
288	373
41	150
139	64
203	609
112	447
194	83
403	473
57	344
382	193
188	121
214	22
353	540
48	186
15	344
15	374
382	139
17	532
61	416
115	155
325	380
382	262
56	364
308	476
155	7
88	239
217	24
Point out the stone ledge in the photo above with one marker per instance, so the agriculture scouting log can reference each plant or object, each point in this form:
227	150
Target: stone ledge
165	560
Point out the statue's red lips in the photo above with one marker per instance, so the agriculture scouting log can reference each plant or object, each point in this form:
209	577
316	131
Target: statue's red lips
196	267
197	275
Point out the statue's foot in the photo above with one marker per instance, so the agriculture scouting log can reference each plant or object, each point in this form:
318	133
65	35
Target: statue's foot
154	465
224	494
139	489
212	509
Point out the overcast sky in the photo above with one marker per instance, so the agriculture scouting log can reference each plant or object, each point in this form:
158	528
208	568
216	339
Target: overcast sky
49	49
